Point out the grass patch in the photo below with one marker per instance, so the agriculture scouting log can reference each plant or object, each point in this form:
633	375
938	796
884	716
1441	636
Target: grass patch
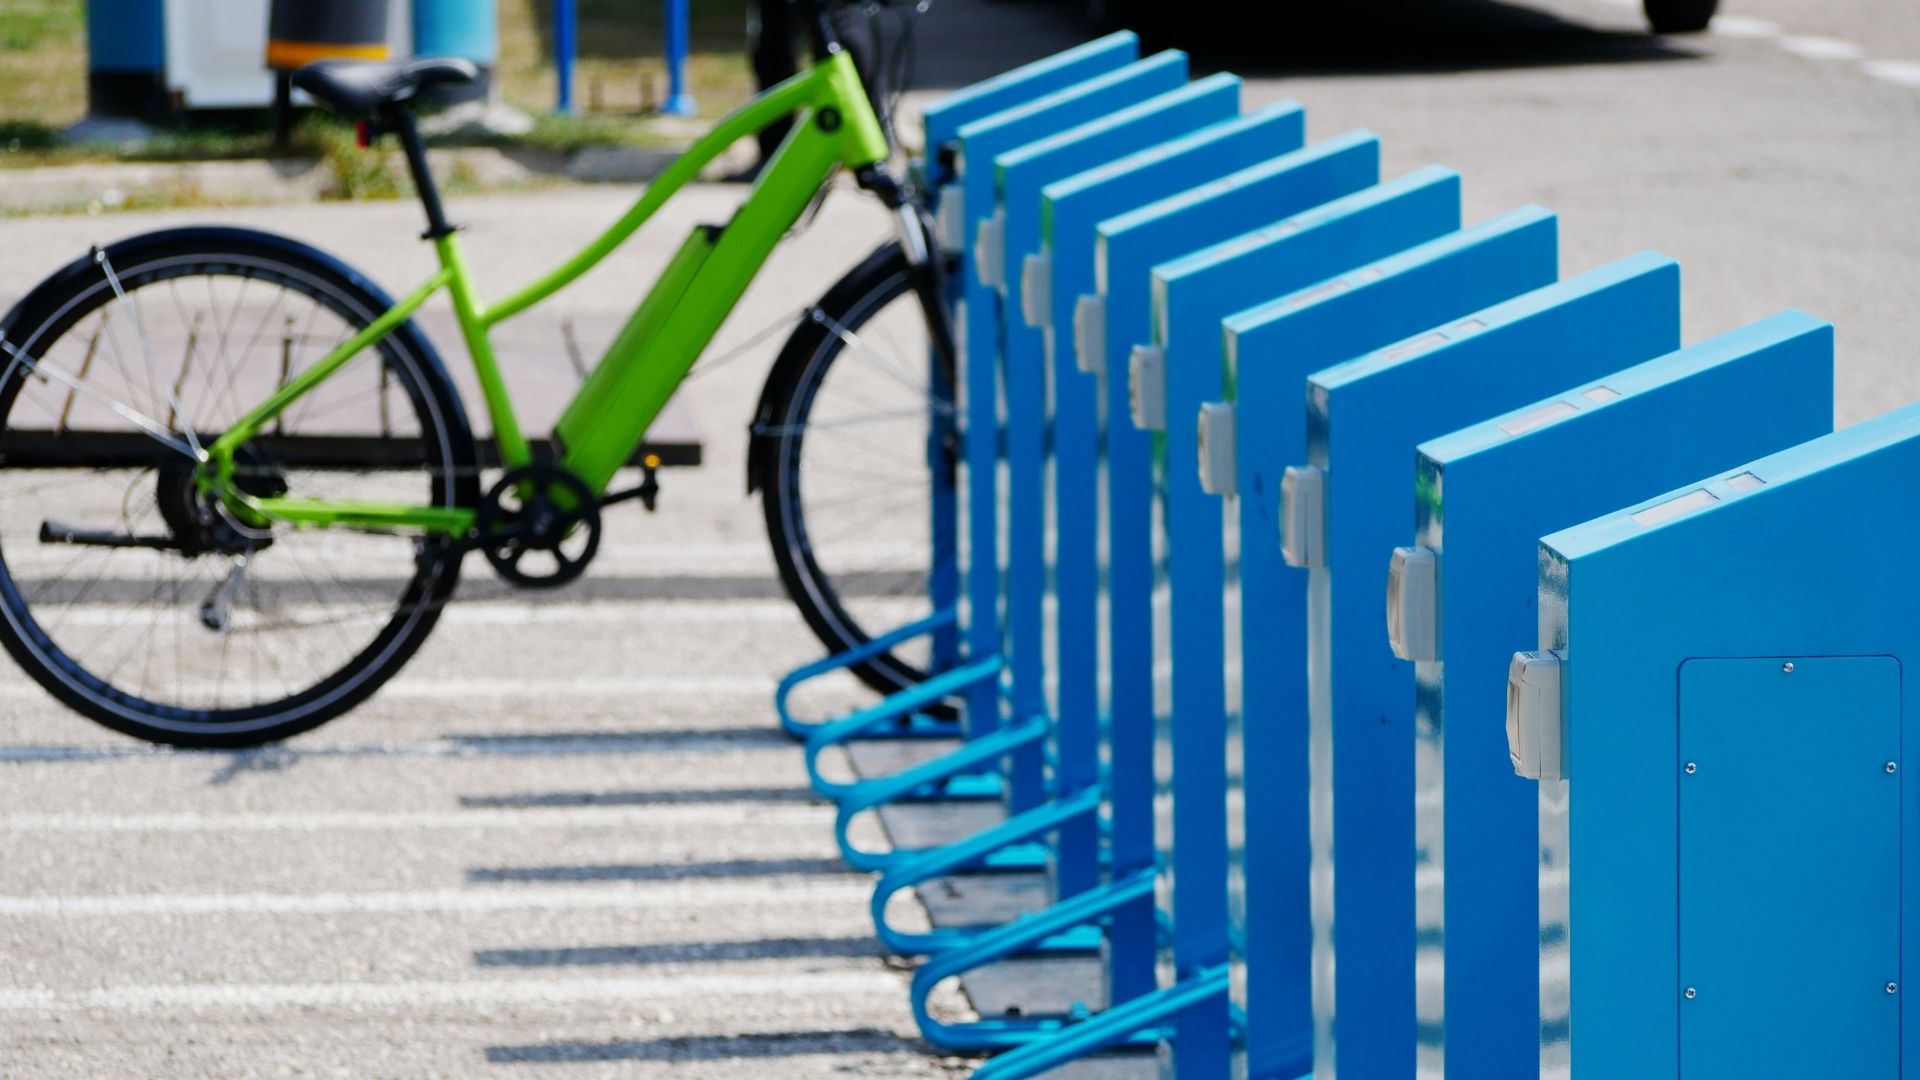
619	76
43	66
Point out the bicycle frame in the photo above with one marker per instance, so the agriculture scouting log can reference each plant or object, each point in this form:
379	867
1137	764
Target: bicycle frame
610	413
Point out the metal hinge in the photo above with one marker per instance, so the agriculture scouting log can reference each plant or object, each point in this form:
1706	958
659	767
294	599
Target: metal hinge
1218	448
989	253
1413	608
1535	728
1303	517
1090	333
1147	387
953	217
1036	290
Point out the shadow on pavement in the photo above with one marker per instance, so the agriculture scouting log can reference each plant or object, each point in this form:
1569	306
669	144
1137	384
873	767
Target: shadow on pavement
693	797
708	1047
681	952
613	742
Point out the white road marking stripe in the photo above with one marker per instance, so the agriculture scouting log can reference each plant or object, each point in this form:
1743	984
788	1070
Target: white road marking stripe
743	814
1898	72
506	745
1739	26
667	895
658	612
661	611
454	689
811	988
1821	48
632	686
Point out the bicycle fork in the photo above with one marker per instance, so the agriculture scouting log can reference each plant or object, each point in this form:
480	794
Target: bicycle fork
922	247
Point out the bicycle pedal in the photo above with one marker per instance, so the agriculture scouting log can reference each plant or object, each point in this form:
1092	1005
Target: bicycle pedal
648	491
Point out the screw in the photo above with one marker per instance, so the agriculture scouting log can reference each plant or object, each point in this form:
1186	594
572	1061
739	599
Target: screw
1787	667
1692	768
1892	767
1692	993
1893	988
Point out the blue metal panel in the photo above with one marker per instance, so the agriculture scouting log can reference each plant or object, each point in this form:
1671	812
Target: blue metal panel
1485	494
1191	295
126	35
1130	245
1271	350
1787	557
979	142
942	121
1072	210
944	118
1789	819
1055	79
1023	172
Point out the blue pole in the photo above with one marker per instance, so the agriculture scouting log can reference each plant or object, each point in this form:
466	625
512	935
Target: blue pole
679	32
566	26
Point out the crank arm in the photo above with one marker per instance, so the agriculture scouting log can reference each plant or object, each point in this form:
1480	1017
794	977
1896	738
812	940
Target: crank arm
53	532
648	492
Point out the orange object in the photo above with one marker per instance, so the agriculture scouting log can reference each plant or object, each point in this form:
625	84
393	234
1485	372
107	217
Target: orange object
298	54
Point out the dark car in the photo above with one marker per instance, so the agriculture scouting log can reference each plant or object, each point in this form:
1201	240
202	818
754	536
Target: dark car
1664	16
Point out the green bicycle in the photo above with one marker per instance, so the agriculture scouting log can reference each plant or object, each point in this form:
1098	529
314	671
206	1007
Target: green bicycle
239	483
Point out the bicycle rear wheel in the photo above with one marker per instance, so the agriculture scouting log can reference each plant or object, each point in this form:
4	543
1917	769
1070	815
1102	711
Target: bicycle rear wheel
135	599
845	448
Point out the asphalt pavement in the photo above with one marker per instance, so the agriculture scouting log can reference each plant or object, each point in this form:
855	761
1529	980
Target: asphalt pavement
568	841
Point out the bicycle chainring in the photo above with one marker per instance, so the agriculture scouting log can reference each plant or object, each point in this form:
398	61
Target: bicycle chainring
539	526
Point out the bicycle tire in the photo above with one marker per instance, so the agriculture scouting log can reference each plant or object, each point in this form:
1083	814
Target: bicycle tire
778	459
407	369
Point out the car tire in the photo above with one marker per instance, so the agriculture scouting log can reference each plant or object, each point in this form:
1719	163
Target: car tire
1680	16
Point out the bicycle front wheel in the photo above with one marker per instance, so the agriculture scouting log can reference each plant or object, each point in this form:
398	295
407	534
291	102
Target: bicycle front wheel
847	443
138	600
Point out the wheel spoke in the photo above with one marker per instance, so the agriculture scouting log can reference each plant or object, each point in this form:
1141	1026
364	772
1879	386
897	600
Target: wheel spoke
146	349
147	424
853	484
304	617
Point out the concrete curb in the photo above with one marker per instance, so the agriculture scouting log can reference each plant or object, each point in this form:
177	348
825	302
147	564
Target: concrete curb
96	186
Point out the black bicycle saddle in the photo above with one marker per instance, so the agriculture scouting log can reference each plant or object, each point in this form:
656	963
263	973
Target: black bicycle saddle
357	88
